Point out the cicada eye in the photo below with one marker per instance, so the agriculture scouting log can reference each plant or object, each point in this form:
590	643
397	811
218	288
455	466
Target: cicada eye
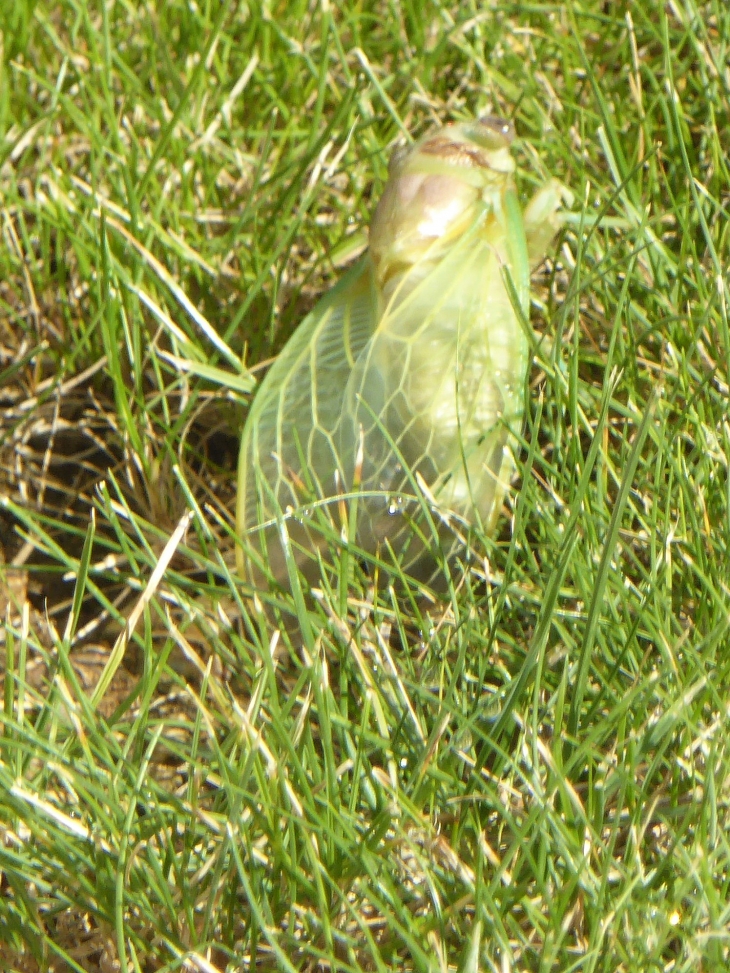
493	132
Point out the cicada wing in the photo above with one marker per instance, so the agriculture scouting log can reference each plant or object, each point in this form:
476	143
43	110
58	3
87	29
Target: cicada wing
289	462
435	392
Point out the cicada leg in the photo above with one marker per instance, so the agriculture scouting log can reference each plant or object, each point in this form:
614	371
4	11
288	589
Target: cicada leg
543	218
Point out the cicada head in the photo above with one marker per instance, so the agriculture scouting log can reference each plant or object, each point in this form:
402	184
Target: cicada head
436	188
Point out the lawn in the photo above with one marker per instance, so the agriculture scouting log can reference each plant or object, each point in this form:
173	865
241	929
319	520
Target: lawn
530	772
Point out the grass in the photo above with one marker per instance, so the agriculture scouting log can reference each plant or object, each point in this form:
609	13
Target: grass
533	775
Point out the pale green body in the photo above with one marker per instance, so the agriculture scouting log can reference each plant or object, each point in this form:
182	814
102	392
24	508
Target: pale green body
441	384
411	370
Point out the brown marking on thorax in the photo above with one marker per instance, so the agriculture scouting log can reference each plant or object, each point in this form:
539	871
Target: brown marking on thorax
461	153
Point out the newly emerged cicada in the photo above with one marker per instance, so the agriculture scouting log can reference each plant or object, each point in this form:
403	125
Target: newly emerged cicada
389	418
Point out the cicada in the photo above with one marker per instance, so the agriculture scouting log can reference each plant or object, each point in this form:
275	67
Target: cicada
390	418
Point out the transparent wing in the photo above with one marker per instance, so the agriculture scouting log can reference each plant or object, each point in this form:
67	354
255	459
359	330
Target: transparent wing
290	447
